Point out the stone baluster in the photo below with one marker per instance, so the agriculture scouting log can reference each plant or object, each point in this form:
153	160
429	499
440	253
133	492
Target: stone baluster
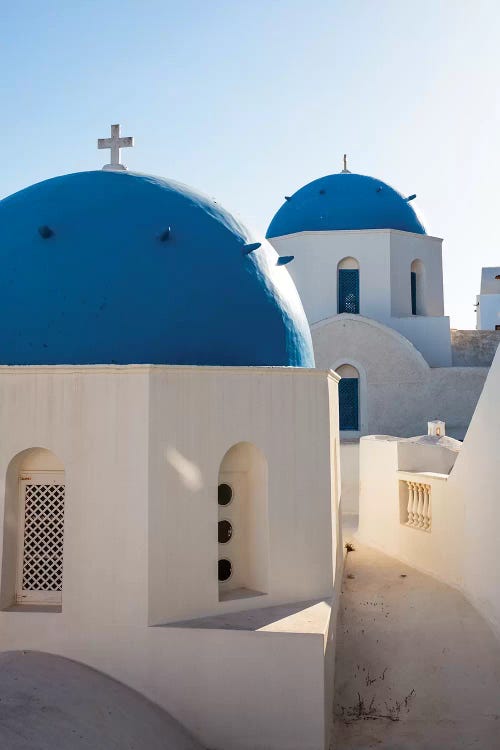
427	507
420	507
409	508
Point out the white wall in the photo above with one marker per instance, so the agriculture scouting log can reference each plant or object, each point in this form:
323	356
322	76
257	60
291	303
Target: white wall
141	449
462	546
490	284
385	257
488	312
349	466
475	488
285	412
314	269
406	248
399	392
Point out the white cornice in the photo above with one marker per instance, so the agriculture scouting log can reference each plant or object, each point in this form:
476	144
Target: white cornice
336	232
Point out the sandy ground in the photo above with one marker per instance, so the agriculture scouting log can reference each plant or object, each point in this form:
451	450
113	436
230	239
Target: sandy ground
51	703
417	668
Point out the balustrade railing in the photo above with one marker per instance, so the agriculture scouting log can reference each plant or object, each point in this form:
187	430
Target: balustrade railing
419	506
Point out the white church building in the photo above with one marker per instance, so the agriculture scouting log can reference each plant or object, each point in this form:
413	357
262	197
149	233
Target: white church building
371	282
169	457
181	432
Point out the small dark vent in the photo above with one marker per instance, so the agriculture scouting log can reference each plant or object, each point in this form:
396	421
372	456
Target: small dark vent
45	232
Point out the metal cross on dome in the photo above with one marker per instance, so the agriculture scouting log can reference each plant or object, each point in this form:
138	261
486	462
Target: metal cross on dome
115	143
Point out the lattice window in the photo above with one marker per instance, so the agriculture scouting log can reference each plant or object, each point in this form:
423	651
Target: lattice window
41	559
349	404
348	292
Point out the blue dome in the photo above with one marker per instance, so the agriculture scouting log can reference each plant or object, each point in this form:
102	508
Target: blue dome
116	267
345	201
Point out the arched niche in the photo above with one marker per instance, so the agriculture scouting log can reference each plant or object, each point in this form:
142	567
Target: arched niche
348	263
243	522
349	401
418	287
34	503
348	286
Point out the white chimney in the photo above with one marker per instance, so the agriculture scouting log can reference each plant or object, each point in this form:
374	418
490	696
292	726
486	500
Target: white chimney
436	428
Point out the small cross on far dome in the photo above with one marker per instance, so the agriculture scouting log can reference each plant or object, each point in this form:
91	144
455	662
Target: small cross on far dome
115	144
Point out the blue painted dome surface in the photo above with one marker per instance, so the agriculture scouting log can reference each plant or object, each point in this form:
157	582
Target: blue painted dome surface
112	284
345	201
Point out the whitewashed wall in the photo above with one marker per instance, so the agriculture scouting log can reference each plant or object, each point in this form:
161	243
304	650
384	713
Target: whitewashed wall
385	257
399	392
462	546
141	449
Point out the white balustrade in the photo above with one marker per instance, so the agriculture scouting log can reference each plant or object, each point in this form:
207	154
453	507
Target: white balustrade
419	506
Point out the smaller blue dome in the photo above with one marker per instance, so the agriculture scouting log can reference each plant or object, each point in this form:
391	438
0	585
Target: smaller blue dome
345	201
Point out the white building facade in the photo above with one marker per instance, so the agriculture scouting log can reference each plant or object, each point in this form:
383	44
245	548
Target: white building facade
169	471
371	282
488	301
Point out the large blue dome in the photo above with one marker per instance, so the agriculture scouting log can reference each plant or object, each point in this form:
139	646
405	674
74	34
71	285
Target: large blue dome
345	201
116	267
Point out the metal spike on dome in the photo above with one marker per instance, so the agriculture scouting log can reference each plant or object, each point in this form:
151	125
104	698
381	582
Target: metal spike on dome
285	259
379	189
411	197
322	191
247	249
288	197
165	235
45	232
345	170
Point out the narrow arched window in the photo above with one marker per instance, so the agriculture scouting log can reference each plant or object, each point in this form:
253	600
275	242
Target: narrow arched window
32	566
348	398
417	288
243	525
348	286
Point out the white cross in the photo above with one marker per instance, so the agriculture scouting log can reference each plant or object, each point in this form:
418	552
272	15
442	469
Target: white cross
115	143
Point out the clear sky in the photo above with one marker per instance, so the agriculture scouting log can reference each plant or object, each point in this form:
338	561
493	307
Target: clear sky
248	101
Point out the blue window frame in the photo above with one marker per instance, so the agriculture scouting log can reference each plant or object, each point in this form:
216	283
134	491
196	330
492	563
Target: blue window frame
349	404
348	290
413	293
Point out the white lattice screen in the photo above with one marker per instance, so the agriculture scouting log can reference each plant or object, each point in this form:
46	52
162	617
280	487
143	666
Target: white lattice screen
42	542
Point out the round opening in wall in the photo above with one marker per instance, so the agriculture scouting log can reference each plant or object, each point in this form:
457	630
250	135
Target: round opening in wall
225	532
225	569
225	494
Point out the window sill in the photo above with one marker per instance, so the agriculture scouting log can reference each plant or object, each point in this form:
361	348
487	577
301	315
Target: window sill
347	436
46	608
227	596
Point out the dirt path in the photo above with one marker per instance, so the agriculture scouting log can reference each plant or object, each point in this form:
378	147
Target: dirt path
417	667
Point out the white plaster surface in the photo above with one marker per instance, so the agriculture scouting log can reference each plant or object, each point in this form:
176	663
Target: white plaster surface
51	703
417	668
349	463
141	449
462	545
385	260
399	392
488	311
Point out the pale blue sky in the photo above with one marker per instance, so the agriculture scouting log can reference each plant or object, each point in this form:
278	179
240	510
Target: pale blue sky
250	100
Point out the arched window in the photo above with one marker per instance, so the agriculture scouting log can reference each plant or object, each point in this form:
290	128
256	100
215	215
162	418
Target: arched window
348	398
348	286
243	526
417	288
32	564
